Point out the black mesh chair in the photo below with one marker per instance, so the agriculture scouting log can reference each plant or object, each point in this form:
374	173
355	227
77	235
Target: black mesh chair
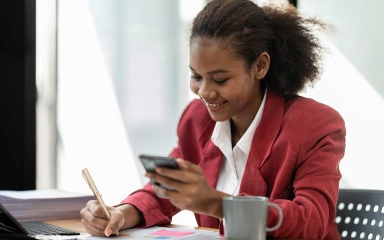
360	214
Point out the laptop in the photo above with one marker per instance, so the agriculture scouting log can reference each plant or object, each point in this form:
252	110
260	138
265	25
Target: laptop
9	224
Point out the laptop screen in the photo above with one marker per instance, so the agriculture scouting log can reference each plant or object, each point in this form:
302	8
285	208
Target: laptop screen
8	224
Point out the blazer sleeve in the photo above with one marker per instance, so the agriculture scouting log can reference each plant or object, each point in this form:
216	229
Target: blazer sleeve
155	210
311	214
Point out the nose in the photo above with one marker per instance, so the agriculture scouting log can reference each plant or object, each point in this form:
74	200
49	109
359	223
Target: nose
206	91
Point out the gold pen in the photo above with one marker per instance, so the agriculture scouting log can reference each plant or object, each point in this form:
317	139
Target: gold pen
88	179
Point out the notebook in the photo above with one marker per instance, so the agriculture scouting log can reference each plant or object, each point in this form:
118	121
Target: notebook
9	224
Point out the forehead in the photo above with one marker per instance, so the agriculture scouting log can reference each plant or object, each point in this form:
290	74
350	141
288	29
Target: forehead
205	52
204	45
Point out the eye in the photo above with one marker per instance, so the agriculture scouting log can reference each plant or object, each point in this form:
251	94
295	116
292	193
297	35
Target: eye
197	78
220	81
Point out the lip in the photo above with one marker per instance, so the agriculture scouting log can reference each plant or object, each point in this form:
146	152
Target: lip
215	107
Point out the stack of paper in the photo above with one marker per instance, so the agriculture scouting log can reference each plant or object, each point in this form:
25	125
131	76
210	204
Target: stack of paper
43	205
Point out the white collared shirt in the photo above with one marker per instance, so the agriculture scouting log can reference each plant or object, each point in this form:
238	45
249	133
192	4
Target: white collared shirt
234	160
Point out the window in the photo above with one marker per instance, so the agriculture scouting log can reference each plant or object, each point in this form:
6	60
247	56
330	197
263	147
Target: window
123	80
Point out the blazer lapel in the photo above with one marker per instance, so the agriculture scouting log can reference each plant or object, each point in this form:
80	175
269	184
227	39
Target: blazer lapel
252	182
262	143
212	156
268	129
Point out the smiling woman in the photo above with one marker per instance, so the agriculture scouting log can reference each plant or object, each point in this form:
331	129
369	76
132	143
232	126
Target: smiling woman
229	90
250	133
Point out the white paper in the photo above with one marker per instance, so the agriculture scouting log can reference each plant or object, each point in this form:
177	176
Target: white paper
56	237
145	233
47	193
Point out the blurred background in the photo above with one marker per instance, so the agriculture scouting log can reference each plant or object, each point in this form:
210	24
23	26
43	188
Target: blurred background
98	82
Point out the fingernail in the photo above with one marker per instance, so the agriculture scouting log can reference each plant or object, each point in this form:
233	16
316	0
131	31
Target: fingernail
108	232
179	160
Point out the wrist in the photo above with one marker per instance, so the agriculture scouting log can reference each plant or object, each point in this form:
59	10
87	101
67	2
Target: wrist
132	216
215	204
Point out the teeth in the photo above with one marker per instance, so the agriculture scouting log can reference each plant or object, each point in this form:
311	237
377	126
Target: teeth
214	105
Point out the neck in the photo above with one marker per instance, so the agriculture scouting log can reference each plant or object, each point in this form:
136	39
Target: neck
235	134
240	124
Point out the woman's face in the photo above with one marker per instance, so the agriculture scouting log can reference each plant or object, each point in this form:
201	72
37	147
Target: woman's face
220	79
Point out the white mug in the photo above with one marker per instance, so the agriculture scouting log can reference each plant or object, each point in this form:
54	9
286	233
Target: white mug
245	217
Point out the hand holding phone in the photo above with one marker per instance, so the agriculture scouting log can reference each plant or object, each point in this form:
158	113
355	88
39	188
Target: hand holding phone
150	163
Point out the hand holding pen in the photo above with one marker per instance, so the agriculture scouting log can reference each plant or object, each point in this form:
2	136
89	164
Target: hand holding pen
92	186
101	220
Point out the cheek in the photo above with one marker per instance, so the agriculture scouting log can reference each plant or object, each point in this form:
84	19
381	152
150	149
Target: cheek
241	92
194	87
234	92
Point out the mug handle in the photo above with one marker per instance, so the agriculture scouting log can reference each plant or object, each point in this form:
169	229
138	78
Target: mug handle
280	217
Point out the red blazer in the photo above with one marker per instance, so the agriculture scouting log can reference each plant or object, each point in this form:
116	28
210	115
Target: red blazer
294	160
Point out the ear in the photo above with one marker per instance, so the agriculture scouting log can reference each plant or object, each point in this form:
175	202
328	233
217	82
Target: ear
261	66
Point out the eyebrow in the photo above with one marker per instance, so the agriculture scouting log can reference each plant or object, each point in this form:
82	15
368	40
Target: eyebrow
212	72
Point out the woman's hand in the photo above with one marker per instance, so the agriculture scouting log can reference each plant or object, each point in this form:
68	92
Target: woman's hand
122	217
190	189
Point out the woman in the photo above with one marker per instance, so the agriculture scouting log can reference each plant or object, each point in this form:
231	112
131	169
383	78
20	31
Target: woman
250	134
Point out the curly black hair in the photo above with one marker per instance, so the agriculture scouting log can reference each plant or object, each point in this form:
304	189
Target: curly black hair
250	30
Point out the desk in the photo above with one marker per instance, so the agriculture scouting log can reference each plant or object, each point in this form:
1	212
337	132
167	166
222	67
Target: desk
76	225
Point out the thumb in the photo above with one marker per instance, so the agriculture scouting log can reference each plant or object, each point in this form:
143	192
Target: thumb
113	227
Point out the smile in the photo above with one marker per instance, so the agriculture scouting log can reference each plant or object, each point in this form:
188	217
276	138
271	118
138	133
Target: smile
215	107
214	104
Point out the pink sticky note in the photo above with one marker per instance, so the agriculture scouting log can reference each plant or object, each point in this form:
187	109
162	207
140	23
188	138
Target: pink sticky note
170	233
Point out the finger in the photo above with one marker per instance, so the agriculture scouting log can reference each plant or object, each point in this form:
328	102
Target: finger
93	233
174	184
167	175
167	172
90	203
188	166
185	166
91	229
171	173
92	222
170	194
96	209
114	225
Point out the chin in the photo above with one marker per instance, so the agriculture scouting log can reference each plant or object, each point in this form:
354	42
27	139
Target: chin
218	117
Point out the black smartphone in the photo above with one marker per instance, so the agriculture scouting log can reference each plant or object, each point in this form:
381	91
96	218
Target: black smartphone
151	162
